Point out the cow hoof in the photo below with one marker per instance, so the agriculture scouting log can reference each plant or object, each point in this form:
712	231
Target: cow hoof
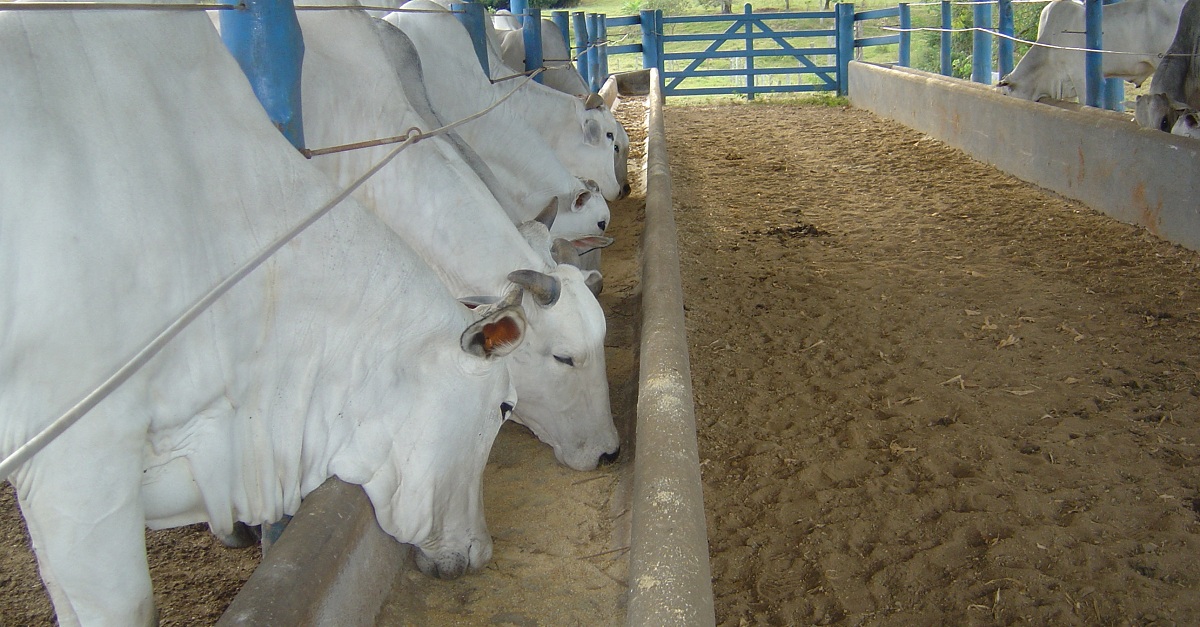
241	537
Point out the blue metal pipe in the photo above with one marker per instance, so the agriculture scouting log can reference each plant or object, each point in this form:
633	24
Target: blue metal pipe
517	8
562	19
905	55
531	32
1005	46
593	55
981	48
844	18
266	41
1114	88
947	24
1093	18
650	56
579	23
471	16
603	47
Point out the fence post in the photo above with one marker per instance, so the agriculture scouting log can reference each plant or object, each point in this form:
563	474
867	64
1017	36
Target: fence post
531	32
649	40
602	23
562	19
905	59
1093	18
1005	45
747	13
266	41
844	19
517	8
947	24
981	47
579	23
471	15
1114	88
593	54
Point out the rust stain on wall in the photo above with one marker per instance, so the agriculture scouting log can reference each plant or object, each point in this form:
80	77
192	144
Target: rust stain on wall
1082	167
1149	216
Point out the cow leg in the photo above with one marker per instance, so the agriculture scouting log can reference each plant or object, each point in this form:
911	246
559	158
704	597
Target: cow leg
81	501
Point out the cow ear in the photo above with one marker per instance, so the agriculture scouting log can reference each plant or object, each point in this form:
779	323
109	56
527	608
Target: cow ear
496	334
564	251
588	243
592	133
581	199
544	288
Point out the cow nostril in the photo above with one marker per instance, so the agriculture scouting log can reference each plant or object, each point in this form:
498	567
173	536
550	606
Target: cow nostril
506	409
608	458
602	224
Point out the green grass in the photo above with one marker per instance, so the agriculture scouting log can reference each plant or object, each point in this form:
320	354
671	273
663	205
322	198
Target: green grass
632	34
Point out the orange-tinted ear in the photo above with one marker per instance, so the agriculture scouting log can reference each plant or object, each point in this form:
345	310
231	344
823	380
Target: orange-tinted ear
496	334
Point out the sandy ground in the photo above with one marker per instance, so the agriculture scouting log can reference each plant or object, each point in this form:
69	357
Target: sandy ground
929	393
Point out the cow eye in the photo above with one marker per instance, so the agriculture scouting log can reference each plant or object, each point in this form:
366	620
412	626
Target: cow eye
609	135
1163	125
565	360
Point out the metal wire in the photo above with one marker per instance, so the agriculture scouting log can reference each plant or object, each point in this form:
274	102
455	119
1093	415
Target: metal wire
122	374
989	31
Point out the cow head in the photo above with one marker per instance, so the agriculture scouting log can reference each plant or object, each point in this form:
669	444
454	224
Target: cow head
428	492
607	142
582	210
1158	111
559	371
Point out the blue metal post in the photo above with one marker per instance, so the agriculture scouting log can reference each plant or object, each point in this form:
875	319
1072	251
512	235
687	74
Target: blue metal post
650	34
579	23
531	32
981	48
562	19
1114	88
593	55
266	41
844	18
1005	46
603	41
471	16
947	24
517	8
747	11
1093	19
905	55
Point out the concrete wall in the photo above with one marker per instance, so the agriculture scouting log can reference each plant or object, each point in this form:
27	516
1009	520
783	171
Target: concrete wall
1100	158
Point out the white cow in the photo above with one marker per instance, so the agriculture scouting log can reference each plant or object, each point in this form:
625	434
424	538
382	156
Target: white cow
503	19
556	57
1144	27
350	92
1188	125
583	133
139	170
523	179
1175	88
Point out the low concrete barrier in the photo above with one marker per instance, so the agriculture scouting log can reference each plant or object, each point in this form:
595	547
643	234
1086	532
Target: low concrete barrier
335	566
670	581
1097	157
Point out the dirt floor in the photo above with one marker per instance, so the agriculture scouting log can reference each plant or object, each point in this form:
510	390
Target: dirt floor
929	393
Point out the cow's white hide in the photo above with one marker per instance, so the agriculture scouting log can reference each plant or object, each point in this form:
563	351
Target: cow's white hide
139	170
514	162
560	71
1144	27
1175	87
588	140
433	200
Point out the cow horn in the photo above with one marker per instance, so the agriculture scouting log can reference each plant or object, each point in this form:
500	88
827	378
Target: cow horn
564	252
544	288
546	217
593	101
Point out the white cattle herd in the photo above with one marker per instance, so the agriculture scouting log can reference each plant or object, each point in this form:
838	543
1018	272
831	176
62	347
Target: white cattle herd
384	345
1148	38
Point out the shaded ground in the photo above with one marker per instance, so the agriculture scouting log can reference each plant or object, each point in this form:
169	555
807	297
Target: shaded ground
929	393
